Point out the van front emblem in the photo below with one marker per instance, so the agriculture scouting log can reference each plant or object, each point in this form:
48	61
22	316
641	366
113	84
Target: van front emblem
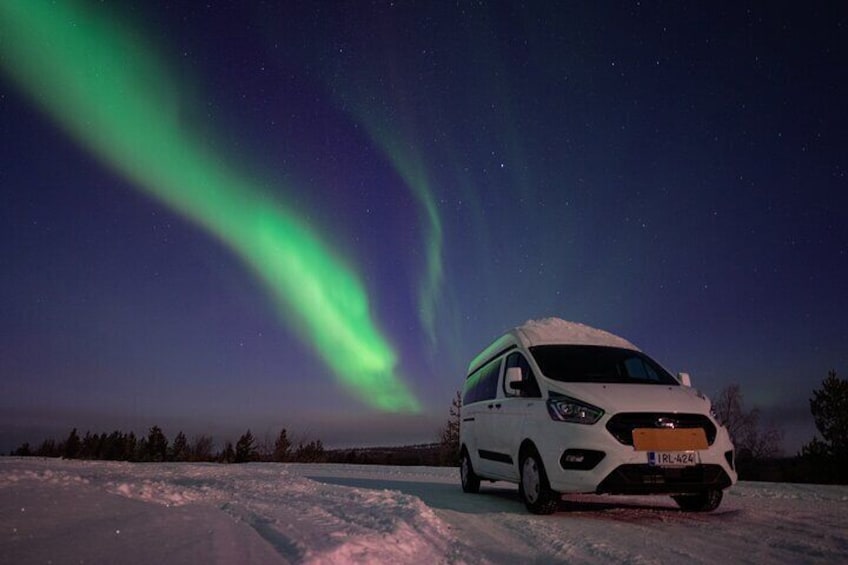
665	422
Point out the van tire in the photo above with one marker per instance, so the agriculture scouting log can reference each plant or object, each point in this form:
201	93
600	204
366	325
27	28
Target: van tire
470	480
706	501
533	487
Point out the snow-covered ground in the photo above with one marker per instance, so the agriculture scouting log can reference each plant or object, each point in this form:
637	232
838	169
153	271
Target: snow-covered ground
55	511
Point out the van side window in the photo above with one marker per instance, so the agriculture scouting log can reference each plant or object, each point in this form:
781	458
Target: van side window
482	384
531	387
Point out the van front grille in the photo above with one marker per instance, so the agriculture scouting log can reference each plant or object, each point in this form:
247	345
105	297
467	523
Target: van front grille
645	479
621	425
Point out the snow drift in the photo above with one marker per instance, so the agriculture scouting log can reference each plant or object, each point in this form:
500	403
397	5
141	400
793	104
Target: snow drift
100	512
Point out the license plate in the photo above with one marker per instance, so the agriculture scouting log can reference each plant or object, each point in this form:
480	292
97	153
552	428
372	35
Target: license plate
673	458
669	440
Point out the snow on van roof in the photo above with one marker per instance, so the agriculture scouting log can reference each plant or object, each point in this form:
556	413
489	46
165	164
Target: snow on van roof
556	330
550	331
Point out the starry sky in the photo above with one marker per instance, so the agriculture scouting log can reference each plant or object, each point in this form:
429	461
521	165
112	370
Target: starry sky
228	215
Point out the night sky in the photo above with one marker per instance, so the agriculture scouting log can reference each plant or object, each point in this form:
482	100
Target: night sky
228	215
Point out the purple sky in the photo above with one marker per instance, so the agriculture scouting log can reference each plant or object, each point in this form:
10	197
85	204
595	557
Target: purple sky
675	174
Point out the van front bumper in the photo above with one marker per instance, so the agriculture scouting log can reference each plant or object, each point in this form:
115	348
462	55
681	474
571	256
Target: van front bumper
649	479
588	459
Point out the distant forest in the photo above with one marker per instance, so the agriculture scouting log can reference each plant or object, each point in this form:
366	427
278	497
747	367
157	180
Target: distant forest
155	447
759	454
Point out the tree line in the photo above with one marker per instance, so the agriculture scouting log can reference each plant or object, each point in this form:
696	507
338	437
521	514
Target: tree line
155	447
759	453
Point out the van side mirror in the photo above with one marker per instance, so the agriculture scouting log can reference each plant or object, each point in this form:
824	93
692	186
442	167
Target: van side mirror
684	379
514	381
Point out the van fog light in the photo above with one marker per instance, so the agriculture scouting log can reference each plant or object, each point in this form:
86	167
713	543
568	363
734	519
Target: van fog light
580	459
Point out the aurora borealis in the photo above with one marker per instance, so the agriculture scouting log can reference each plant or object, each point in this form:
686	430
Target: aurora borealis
253	215
100	87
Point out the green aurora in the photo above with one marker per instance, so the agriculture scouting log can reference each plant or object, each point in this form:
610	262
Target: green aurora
411	169
110	93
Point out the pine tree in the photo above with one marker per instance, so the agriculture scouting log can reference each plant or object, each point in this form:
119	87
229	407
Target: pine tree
130	445
113	446
228	455
72	445
245	448
282	447
142	453
829	407
830	411
157	445
179	449
88	449
23	451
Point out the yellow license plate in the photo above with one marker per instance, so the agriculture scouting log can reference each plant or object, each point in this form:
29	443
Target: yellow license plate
662	439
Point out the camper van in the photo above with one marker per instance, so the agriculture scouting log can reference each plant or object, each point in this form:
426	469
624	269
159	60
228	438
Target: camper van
559	407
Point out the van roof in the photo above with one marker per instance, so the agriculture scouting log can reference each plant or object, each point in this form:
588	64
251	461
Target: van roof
550	331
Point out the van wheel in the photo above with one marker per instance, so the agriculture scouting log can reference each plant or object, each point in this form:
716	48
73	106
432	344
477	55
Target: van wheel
470	480
534	488
706	501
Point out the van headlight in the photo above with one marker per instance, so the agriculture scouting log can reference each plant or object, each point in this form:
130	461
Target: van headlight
567	409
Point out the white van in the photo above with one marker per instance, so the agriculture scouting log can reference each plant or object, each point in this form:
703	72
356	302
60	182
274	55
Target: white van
559	407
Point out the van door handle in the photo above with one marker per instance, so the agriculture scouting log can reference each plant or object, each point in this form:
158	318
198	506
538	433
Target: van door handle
498	406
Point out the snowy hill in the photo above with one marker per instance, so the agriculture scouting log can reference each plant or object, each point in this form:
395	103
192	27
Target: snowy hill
97	512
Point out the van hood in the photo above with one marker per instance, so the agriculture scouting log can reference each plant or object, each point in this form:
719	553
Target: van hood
614	398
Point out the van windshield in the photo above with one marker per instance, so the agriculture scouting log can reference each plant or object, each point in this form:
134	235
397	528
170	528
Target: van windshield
599	364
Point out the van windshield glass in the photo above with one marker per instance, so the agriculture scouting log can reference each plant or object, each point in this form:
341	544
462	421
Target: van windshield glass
599	364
